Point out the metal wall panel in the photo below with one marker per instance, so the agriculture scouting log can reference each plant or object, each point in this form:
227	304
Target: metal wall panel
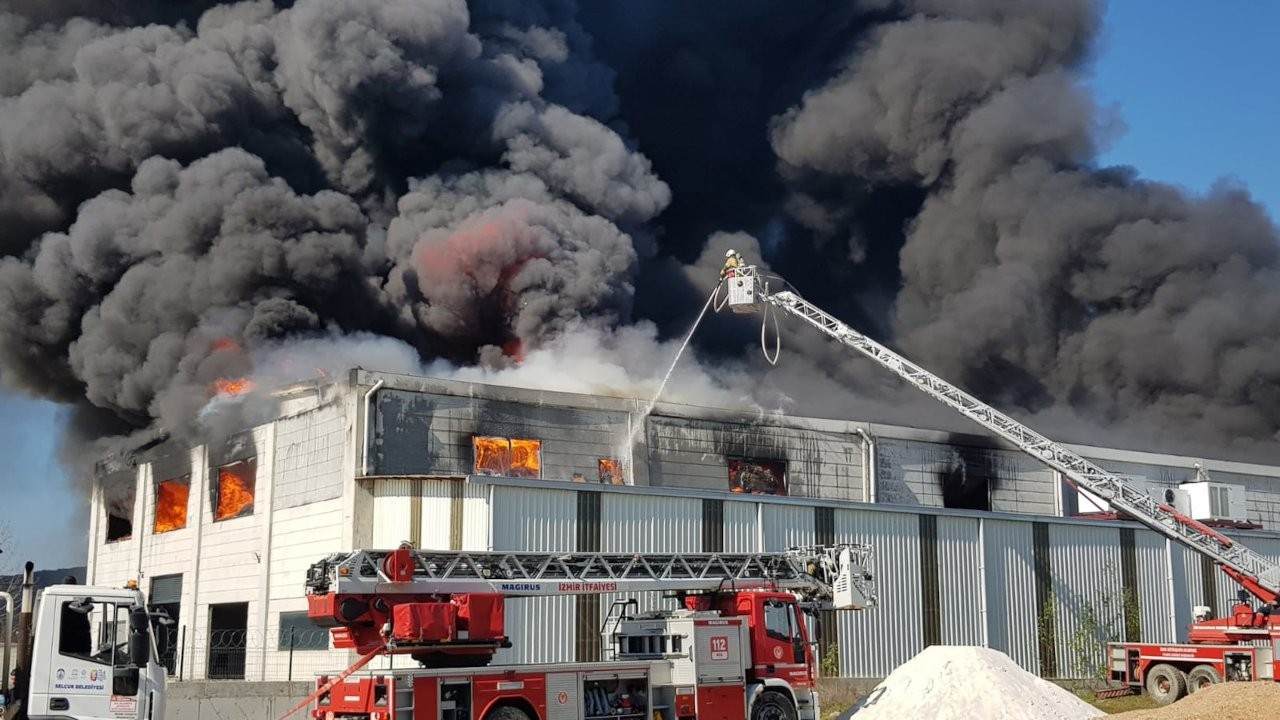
647	524
1009	572
541	629
391	512
741	527
874	642
1155	593
1087	595
787	526
960	580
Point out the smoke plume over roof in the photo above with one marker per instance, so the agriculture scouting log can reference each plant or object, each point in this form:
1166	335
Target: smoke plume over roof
195	192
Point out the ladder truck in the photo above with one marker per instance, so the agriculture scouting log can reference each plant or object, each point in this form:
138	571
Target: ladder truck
737	647
1218	649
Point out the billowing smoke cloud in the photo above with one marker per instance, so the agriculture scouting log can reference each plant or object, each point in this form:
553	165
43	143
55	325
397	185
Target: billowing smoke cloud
1028	275
541	194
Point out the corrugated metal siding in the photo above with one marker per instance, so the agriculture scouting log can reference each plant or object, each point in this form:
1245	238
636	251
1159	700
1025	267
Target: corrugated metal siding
391	517
1155	604
1009	569
874	642
541	629
647	524
787	526
1087	597
740	527
960	580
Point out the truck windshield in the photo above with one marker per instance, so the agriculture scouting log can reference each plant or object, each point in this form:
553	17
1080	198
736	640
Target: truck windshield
98	633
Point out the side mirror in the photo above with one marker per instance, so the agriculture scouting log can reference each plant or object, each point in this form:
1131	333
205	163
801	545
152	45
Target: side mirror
139	637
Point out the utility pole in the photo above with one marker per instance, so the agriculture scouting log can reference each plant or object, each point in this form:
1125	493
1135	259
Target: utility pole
24	626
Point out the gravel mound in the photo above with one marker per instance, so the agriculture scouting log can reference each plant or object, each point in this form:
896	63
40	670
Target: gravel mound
946	682
1226	701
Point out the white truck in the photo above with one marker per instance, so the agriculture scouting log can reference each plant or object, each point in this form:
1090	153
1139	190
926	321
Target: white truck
93	656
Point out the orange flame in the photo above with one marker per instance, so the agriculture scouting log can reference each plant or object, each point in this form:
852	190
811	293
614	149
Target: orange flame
493	455
514	349
526	458
507	457
235	490
238	386
611	471
171	504
225	343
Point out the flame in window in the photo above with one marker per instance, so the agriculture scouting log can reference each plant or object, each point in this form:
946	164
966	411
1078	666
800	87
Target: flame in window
518	457
526	458
757	477
171	504
611	472
235	490
493	455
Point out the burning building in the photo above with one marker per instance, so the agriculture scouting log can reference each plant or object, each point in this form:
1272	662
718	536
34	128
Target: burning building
973	539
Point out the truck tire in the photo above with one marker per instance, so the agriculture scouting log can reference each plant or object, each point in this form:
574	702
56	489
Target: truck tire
1201	677
1165	684
507	712
774	705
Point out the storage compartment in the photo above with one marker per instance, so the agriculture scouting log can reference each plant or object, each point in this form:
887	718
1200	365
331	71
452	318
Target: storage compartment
424	622
483	615
615	698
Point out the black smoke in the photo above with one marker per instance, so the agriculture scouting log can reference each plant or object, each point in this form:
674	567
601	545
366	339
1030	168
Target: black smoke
186	186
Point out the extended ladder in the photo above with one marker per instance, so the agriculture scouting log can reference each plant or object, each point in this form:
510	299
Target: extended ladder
1258	574
835	576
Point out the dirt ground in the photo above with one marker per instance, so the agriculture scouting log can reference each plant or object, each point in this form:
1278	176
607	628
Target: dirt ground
1227	701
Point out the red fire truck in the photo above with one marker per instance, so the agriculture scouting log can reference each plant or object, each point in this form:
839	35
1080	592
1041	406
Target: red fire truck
737	647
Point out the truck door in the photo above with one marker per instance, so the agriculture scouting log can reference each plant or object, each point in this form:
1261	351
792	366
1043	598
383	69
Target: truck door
87	677
781	643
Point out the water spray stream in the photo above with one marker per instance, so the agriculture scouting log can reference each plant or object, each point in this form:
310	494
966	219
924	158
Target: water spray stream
639	423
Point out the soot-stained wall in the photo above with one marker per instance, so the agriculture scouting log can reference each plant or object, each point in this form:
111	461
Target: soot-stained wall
692	453
417	433
912	472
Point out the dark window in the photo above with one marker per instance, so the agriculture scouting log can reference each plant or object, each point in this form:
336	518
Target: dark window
234	489
757	477
297	632
228	628
119	527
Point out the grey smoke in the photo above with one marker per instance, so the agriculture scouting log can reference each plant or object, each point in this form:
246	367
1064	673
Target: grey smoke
444	184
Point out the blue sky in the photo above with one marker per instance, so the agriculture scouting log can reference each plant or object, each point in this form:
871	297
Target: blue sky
1195	89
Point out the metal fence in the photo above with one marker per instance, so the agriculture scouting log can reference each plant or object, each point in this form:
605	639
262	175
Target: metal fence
279	654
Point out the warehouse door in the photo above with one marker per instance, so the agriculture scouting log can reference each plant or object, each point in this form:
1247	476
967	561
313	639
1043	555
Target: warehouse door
228	626
166	595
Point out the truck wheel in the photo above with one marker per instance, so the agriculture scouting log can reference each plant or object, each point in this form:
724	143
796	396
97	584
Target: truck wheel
773	705
1165	684
507	712
1201	677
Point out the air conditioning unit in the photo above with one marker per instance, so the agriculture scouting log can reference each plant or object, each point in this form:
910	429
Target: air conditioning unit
1216	501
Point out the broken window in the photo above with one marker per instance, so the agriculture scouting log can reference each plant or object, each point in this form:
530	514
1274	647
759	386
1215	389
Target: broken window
507	457
118	493
967	479
233	492
757	477
171	504
611	472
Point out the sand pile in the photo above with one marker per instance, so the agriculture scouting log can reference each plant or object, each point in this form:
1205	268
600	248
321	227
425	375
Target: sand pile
959	682
1227	701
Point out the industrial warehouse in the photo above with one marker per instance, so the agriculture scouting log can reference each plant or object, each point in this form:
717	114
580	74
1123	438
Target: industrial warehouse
975	542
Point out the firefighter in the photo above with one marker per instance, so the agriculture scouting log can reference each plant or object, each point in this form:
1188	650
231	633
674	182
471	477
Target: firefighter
731	260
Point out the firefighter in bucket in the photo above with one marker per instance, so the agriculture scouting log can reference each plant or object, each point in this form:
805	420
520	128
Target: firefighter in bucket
732	260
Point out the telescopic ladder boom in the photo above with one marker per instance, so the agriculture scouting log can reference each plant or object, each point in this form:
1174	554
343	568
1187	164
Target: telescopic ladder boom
834	577
747	288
